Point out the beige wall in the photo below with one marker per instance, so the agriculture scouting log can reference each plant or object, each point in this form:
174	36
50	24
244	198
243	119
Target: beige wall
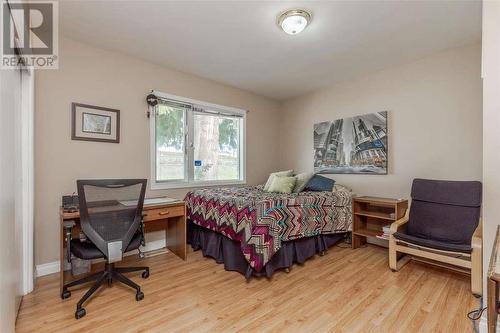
491	126
98	77
435	124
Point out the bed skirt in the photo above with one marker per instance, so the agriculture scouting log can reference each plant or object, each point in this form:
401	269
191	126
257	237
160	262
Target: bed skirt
228	252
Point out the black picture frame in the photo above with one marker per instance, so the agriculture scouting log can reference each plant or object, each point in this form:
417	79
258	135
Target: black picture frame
74	134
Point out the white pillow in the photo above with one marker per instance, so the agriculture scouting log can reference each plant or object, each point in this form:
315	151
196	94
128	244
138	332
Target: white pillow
283	184
302	179
286	173
338	187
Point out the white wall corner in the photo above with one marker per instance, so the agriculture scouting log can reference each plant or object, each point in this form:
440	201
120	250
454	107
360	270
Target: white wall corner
483	324
53	267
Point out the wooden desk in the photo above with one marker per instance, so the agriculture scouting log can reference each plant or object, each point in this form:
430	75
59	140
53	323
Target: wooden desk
169	217
493	280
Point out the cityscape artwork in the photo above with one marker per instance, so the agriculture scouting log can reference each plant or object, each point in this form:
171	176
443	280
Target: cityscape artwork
356	145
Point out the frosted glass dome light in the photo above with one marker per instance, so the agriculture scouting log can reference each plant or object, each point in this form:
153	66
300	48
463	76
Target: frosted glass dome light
293	21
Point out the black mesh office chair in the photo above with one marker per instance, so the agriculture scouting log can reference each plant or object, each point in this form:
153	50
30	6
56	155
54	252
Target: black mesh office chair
111	219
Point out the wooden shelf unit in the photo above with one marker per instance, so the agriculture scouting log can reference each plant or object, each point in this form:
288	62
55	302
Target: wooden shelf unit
370	214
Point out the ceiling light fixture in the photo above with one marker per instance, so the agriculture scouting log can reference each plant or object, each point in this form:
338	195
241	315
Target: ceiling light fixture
294	21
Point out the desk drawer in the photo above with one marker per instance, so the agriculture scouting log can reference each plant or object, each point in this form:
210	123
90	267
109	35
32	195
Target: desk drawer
163	213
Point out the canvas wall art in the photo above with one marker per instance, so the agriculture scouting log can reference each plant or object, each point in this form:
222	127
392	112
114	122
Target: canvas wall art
356	145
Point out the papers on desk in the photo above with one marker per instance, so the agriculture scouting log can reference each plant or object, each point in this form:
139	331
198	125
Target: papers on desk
160	200
150	201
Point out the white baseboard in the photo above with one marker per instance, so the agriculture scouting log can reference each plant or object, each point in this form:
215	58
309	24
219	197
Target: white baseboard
151	246
53	267
46	269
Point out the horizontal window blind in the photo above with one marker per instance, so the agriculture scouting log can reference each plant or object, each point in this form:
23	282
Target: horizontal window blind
197	108
217	113
174	104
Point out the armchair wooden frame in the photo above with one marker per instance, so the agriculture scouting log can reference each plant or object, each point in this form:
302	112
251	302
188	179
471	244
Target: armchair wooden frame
401	252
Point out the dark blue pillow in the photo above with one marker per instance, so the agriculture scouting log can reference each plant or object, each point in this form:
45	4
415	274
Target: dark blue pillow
319	183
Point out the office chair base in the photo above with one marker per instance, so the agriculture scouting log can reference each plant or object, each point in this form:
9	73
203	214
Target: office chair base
66	294
109	274
80	313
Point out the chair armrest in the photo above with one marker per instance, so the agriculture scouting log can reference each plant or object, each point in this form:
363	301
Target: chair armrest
142	230
477	260
398	224
477	236
68	226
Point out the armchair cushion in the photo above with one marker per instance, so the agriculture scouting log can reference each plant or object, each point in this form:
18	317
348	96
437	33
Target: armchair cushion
446	192
87	250
444	212
445	246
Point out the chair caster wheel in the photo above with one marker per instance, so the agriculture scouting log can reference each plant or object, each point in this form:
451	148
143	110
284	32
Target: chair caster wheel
142	255
65	294
80	313
145	274
139	296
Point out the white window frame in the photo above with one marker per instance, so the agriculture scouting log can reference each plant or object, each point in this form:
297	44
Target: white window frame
188	182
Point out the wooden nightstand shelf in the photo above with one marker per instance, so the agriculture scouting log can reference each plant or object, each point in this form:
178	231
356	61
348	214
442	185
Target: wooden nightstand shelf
370	214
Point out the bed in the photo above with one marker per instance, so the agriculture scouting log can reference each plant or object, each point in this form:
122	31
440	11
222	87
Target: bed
256	232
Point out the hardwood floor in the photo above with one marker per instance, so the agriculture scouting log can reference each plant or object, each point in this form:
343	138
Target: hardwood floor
344	291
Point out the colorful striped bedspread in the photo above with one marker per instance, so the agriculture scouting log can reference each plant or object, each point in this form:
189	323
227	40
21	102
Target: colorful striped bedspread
261	221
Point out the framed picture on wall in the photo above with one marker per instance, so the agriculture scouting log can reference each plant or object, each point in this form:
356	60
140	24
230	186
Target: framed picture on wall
94	123
354	145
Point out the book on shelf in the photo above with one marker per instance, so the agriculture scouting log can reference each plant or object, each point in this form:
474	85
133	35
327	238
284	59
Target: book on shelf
386	231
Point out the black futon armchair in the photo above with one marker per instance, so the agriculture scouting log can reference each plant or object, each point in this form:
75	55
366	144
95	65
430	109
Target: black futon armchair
442	226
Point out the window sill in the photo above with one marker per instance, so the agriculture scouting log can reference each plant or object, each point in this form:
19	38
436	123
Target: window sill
181	185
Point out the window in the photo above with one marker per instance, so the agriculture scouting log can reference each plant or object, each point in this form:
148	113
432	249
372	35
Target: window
196	143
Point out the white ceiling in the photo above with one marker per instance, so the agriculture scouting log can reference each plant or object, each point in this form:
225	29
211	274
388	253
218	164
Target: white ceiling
238	42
